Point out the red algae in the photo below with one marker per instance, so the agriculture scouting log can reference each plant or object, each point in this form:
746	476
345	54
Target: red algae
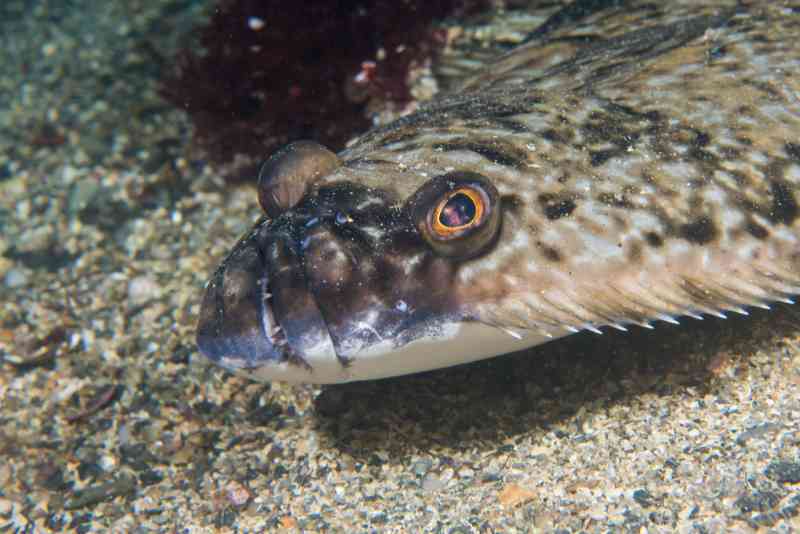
267	73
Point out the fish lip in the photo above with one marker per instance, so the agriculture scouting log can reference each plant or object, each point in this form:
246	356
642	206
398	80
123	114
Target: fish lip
239	326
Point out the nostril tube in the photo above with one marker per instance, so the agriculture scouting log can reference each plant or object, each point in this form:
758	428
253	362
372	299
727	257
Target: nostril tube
286	176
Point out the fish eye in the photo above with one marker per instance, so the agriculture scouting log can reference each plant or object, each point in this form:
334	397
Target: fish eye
458	214
287	175
459	210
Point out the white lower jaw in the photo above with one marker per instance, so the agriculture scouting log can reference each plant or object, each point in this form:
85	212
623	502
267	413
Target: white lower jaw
455	344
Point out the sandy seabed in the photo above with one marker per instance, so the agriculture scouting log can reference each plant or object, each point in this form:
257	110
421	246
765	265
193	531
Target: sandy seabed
111	422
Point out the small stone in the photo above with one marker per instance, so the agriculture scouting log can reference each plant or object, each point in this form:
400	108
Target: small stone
150	477
378	517
288	522
81	193
643	497
6	507
237	494
491	476
757	431
15	278
514	495
432	483
142	288
421	467
124	485
784	472
760	501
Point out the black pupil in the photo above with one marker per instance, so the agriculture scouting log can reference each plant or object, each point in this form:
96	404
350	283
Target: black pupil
458	211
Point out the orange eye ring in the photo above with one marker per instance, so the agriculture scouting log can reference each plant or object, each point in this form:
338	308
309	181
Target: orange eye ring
457	214
449	216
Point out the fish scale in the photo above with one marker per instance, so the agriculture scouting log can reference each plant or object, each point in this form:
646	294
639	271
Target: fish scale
647	160
662	181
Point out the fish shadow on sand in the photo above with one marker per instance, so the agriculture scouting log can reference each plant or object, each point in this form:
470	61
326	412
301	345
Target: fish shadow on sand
481	405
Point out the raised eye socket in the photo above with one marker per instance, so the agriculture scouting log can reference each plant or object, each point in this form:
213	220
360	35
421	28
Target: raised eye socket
286	176
458	214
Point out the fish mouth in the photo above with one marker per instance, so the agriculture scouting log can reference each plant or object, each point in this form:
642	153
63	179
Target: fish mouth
258	309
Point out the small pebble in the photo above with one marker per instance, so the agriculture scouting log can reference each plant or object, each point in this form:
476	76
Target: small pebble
432	482
142	288
237	494
421	467
6	507
16	278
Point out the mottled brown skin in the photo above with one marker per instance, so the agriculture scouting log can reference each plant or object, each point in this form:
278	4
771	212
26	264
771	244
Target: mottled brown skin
641	175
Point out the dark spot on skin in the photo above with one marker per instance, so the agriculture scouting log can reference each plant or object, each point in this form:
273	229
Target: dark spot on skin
635	252
553	136
767	88
653	239
495	154
652	116
556	207
620	222
793	150
398	135
701	139
756	230
598	157
512	203
700	155
717	52
551	253
784	206
730	152
732	68
511	125
617	201
700	232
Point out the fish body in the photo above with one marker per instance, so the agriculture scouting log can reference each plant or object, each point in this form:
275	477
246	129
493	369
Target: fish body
630	163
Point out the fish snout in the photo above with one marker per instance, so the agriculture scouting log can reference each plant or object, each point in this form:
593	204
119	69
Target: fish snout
257	310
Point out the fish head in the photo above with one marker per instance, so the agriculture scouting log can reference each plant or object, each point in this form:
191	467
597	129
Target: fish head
343	280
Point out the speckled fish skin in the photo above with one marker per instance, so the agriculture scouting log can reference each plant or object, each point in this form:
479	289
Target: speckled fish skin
648	161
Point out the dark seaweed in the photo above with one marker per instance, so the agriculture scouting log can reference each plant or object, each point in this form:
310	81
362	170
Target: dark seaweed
267	73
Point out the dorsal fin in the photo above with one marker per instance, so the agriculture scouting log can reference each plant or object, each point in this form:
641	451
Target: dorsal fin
587	63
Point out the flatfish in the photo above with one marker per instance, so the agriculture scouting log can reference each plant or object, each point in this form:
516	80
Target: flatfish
631	162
